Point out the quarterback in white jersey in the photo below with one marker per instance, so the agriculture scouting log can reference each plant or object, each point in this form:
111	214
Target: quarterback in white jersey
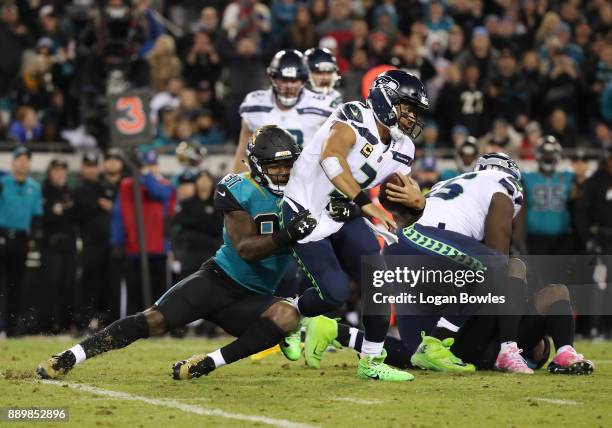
287	104
356	149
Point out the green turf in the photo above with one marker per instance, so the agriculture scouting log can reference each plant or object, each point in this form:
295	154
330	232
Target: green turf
281	390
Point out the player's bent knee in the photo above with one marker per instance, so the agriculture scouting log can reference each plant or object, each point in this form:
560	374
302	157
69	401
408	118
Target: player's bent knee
548	295
283	314
156	321
517	268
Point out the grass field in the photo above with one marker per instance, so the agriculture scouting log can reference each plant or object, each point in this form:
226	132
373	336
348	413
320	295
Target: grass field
133	388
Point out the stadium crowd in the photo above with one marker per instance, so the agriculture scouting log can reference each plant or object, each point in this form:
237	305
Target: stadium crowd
504	72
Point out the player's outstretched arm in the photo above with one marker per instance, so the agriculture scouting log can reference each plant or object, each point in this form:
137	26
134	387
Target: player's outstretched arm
250	246
333	161
498	224
245	134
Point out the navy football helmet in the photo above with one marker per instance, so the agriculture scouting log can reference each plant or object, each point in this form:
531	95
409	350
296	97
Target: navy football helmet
271	146
499	161
397	88
548	153
322	70
288	73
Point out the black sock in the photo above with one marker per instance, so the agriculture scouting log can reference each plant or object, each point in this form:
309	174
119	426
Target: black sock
511	312
260	336
118	335
310	304
560	323
344	337
376	327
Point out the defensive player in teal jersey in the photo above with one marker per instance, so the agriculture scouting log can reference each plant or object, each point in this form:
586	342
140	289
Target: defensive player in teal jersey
547	193
234	289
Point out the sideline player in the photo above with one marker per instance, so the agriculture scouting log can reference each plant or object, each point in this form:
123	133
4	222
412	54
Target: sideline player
234	289
460	213
356	149
287	103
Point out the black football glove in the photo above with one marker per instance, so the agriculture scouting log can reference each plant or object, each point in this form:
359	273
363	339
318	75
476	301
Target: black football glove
300	226
343	210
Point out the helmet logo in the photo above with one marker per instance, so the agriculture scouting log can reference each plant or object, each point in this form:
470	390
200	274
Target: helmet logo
424	100
290	72
386	81
282	154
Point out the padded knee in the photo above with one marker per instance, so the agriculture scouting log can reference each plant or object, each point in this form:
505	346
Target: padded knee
548	295
517	268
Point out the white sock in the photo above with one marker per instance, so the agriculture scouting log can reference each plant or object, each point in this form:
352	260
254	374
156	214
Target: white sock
217	357
563	348
444	323
506	345
353	337
295	305
79	353
371	349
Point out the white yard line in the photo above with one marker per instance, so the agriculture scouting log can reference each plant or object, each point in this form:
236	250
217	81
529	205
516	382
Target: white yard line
556	401
357	400
173	404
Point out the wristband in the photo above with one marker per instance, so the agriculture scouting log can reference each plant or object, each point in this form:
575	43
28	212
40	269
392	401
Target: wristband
282	238
361	199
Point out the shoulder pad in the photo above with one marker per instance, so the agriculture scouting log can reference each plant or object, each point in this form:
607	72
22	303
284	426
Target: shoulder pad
352	111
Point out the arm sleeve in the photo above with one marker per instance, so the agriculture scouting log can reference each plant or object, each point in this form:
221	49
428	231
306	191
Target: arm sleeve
226	201
156	189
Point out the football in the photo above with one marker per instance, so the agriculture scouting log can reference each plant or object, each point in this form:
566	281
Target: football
382	195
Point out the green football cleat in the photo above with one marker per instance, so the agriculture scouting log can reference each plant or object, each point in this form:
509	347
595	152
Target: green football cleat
435	354
375	368
321	332
291	345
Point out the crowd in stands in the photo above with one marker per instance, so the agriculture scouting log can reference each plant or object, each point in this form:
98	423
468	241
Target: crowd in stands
500	69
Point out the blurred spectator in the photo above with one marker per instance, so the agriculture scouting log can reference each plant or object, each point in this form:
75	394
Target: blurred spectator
157	206
20	214
456	43
427	173
167	98
559	127
13	40
359	41
163	62
480	52
508	89
55	118
459	134
549	24
208	133
446	109
472	112
145	18
502	138
603	136
331	43
430	141
338	23
283	14
547	194
34	85
199	225
26	127
318	11
437	21
409	57
247	19
467	14
301	34
58	250
92	211
561	87
385	19
465	156
533	133
379	48
351	81
530	68
202	62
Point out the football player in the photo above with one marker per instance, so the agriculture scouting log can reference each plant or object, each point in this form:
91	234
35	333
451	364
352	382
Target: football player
355	150
235	288
287	103
460	213
323	77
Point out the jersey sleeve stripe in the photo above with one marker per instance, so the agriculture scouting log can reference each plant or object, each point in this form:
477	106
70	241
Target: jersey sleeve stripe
255	109
314	110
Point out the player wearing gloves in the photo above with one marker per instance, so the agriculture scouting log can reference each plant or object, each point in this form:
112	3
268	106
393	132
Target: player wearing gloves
235	288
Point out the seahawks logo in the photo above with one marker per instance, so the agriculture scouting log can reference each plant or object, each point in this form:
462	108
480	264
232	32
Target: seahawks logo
387	82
